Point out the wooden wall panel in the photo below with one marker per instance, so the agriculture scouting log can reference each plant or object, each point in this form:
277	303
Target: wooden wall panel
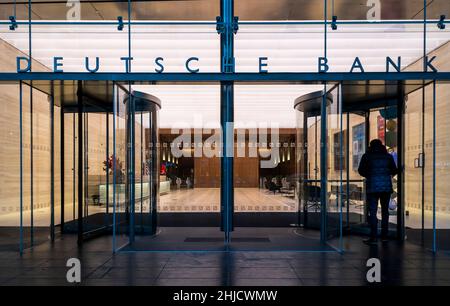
9	149
206	172
413	143
246	172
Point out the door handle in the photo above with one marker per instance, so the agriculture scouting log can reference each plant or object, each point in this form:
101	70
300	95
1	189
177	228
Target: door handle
419	161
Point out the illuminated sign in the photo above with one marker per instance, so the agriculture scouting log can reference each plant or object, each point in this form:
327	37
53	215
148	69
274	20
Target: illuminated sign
93	66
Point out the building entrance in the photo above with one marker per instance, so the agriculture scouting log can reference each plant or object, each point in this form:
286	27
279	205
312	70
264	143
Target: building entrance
120	168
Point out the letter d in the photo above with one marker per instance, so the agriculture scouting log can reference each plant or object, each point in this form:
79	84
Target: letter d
18	60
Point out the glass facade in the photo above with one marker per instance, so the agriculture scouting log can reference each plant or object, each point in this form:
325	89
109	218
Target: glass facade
221	124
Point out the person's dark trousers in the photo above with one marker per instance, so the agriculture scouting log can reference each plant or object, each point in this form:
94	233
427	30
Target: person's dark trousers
372	199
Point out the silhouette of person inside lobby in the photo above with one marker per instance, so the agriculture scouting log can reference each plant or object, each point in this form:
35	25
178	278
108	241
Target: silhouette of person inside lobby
378	167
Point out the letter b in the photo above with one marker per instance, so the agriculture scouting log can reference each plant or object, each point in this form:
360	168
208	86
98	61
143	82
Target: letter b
323	64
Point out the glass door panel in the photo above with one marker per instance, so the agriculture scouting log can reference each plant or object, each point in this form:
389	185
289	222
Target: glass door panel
335	164
418	167
426	167
309	174
167	181
87	174
384	125
265	180
15	152
353	185
119	162
96	177
365	122
71	172
320	163
442	165
146	167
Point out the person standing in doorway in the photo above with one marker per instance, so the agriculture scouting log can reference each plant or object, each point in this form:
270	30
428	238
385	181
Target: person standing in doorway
378	167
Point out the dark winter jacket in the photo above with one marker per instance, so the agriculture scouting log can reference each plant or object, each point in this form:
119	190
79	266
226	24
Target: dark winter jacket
378	167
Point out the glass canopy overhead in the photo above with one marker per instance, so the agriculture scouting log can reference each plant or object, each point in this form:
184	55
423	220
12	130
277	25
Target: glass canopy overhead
209	9
281	48
181	36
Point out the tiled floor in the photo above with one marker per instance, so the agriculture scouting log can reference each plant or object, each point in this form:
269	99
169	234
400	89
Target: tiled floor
208	199
401	264
242	239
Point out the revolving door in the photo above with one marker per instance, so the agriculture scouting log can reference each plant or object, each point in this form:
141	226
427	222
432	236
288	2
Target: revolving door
319	161
332	136
334	129
135	166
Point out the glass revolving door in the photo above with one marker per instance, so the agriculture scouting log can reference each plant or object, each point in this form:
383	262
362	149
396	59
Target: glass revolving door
308	109
320	162
143	125
136	193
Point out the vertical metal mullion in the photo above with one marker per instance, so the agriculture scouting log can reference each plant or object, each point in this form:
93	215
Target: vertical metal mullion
142	175
227	190
52	163
80	162
367	129
316	144
62	165
434	169
115	98
73	165
106	216
31	129
21	167
107	164
422	170
424	34
423	121
227	119
129	36
154	170
131	144
131	163
325	30
305	171
341	161
86	164
367	141
400	161
323	148
347	160
31	169
152	142
323	168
